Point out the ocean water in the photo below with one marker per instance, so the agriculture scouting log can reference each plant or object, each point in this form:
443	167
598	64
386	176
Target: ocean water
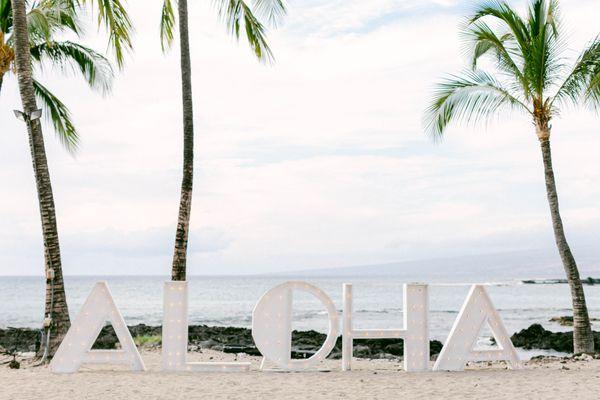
228	301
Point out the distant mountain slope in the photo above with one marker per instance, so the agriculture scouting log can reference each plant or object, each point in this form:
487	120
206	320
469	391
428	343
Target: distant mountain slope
486	267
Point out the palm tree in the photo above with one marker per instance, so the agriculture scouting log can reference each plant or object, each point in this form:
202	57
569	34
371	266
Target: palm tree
531	77
237	15
31	39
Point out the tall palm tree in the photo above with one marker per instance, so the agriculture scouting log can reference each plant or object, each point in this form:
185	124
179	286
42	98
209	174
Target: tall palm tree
532	77
237	15
31	39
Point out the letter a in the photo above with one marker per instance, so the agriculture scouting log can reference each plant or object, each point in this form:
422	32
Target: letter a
476	311
76	347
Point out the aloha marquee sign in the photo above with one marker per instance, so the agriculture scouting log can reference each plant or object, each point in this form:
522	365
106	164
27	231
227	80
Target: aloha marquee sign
272	332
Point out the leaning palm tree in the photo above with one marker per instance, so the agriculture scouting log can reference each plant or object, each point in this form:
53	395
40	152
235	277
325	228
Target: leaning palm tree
237	15
532	77
29	37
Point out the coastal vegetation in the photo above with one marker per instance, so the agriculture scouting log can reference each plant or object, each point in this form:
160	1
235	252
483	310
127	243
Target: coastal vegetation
529	76
29	36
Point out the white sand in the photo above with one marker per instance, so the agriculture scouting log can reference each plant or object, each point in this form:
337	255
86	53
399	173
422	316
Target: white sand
375	379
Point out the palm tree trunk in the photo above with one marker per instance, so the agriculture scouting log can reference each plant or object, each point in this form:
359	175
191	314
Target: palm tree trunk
178	272
56	304
583	339
1	80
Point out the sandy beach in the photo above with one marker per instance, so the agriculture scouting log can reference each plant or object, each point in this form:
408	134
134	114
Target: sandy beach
371	379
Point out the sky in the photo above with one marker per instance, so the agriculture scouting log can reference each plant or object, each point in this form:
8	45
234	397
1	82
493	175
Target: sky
317	161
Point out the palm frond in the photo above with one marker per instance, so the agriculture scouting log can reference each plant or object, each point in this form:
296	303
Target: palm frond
93	66
535	43
581	79
593	90
471	97
503	13
238	16
65	14
272	11
481	40
49	17
5	16
39	25
543	63
167	25
113	16
59	115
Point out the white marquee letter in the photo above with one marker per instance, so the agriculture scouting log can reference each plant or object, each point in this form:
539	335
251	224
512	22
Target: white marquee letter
415	332
76	347
477	310
175	335
272	326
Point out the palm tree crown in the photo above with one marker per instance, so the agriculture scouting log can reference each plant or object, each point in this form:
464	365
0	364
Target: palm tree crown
532	75
238	16
46	20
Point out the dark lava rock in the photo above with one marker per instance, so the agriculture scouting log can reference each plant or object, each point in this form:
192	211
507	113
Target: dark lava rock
536	337
227	339
361	351
20	340
562	321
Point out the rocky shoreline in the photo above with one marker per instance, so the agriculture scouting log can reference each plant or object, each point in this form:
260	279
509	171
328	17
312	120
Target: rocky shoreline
304	343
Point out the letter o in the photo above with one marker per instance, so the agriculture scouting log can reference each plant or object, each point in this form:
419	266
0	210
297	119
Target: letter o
272	325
